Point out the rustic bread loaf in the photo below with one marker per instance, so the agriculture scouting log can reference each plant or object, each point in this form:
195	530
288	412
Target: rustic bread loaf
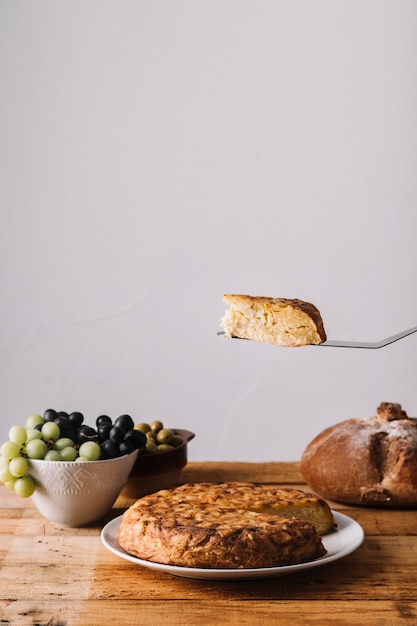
369	461
276	321
227	525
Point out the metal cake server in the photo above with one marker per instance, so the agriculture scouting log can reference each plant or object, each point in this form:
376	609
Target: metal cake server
334	343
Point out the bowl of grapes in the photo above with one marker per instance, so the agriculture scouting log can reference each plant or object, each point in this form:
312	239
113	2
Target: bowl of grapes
73	472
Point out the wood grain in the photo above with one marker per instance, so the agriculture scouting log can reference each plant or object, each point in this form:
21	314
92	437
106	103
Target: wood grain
55	576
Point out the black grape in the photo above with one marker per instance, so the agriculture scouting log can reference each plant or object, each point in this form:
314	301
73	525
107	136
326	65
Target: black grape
86	433
125	422
76	418
116	434
127	446
103	431
109	449
50	415
103	419
137	437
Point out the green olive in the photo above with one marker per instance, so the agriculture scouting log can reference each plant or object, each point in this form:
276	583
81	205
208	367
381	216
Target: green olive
164	436
176	441
165	447
145	428
156	426
150	447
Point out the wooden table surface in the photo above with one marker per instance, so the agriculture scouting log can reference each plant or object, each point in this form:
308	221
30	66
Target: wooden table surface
56	576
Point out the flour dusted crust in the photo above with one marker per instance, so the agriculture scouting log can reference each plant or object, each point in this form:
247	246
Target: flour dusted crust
371	461
227	525
276	321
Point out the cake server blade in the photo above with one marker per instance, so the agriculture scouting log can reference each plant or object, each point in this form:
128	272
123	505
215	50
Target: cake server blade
334	343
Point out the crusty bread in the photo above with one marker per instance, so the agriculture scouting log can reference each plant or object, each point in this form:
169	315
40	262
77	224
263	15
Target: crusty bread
227	525
369	461
276	321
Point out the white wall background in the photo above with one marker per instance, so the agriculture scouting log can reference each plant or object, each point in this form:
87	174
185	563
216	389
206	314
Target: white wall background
155	154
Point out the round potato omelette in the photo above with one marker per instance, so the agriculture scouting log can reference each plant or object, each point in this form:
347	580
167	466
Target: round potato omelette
225	526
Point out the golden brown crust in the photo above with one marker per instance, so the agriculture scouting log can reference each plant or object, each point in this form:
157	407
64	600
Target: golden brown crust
276	321
228	525
369	461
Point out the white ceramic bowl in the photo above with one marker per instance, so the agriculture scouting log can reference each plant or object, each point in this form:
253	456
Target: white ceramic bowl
78	493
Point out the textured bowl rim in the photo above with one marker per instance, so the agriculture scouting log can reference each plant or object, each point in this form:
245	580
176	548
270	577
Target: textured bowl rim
80	463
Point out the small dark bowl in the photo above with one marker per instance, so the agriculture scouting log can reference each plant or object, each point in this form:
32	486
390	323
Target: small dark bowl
159	470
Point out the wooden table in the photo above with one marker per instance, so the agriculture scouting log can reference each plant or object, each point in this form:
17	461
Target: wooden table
55	576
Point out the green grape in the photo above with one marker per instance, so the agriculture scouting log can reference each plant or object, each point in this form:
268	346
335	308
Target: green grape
10	449
68	454
90	450
33	433
24	487
82	459
50	431
5	474
63	442
18	466
36	449
10	484
33	420
17	434
52	455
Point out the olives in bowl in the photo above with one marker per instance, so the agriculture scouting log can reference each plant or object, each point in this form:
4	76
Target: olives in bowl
160	462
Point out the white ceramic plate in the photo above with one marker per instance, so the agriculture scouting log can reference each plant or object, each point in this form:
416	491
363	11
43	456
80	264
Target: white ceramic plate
347	537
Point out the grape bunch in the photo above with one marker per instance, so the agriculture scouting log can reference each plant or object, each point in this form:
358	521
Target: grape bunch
62	436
